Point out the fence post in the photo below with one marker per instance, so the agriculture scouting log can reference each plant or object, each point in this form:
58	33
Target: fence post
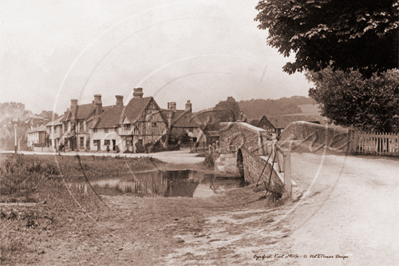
287	172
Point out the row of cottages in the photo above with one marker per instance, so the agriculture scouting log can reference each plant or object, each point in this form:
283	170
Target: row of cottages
276	124
75	123
100	128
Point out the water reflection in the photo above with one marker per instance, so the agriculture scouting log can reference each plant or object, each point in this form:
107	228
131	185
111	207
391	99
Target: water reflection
185	183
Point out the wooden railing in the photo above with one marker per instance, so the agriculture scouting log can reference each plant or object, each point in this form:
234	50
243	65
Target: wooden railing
374	143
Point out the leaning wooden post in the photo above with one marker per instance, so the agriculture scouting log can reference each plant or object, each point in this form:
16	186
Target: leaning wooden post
287	172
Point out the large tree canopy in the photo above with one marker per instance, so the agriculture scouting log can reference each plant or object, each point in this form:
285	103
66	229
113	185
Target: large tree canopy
343	34
350	100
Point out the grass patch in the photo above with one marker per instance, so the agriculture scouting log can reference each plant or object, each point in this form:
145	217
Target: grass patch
42	179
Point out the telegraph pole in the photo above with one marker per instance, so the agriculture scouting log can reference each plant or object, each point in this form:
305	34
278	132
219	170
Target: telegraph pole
15	122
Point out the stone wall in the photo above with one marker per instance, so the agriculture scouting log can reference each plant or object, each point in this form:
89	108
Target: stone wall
334	137
255	166
252	142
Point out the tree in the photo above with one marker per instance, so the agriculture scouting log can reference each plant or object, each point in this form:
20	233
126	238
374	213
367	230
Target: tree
350	100
356	34
48	115
254	122
9	112
231	106
256	108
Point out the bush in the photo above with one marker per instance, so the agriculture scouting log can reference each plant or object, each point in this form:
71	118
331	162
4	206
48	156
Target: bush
174	147
139	148
158	147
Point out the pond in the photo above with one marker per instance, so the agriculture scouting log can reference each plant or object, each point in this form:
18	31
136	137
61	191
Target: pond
181	183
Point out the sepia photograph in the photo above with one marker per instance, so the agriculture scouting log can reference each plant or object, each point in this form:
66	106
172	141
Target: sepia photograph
199	132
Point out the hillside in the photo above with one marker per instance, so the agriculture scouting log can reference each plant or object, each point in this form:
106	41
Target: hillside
256	108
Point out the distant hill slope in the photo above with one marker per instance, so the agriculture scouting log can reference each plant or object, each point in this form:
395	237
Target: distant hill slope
256	108
310	109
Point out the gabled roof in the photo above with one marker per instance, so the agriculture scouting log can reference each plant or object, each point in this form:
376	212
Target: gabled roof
184	121
134	108
42	128
84	110
66	116
109	118
265	121
55	122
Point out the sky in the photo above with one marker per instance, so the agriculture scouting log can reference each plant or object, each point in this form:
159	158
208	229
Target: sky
176	50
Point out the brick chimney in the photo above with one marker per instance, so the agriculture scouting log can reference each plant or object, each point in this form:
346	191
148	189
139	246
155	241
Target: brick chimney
119	100
172	106
74	107
98	104
189	106
138	93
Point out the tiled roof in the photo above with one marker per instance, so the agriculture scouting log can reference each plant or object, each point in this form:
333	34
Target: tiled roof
110	118
66	116
37	129
283	121
134	108
183	121
55	122
84	110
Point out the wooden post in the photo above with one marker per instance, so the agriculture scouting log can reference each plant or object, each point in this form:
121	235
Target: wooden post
287	174
260	146
350	140
286	161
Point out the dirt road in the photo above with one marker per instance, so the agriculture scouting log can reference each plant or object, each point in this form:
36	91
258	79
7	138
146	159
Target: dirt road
355	214
348	216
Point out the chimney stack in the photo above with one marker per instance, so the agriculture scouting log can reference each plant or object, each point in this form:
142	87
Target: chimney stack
98	104
97	98
189	106
172	106
74	107
119	100
138	93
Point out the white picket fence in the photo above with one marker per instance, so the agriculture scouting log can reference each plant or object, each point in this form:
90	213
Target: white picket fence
375	143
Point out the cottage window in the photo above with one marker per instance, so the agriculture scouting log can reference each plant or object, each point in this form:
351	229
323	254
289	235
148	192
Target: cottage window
82	141
127	126
106	142
105	130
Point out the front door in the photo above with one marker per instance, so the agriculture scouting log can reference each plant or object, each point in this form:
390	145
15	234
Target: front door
98	144
113	144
